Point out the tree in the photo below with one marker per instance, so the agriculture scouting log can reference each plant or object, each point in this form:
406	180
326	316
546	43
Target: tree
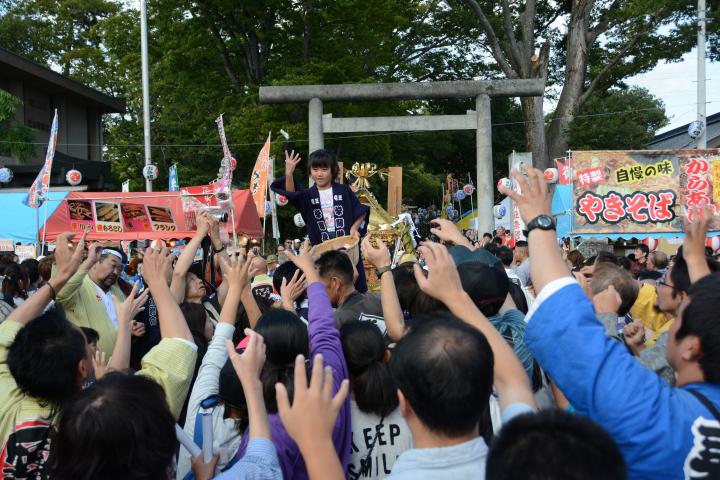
16	140
581	47
617	120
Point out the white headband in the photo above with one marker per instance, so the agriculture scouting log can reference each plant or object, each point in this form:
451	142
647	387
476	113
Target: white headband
107	251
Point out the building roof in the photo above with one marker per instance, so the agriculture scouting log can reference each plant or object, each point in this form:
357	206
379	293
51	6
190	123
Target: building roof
43	78
678	138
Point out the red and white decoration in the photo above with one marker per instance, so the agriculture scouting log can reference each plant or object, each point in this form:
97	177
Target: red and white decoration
713	242
469	189
652	243
281	200
505	182
73	177
552	175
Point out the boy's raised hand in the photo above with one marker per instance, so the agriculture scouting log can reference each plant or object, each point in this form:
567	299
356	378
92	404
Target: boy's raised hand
292	160
534	199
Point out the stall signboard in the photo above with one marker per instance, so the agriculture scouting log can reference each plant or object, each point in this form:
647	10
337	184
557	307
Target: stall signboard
643	192
7	246
24	252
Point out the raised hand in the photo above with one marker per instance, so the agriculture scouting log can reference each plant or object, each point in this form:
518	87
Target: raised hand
93	255
443	280
694	243
235	271
314	409
131	306
289	292
249	364
100	364
155	265
67	259
534	199
634	334
448	232
203	222
304	261
379	256
292	160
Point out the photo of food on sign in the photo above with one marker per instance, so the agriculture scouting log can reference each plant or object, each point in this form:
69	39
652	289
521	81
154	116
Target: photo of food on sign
135	216
642	191
107	212
162	218
80	210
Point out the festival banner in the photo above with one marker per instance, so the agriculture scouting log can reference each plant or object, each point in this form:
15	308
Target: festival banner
173	184
41	185
259	178
644	191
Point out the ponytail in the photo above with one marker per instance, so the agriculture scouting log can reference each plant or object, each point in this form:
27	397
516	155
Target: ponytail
370	380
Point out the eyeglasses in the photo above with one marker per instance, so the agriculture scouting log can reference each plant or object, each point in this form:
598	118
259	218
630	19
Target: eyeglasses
665	284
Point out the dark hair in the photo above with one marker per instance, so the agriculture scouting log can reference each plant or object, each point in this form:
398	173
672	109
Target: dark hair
91	335
406	286
119	428
643	248
606	274
371	382
487	235
497	241
576	258
505	254
487	286
196	317
708	251
605	257
45	267
285	270
44	357
31	268
232	394
679	273
286	337
14	283
554	445
521	244
324	158
444	368
335	263
700	319
625	263
518	296
491	247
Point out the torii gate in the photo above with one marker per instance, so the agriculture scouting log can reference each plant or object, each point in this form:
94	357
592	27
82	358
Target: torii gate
479	119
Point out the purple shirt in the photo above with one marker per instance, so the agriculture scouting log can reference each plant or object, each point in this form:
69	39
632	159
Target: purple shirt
325	339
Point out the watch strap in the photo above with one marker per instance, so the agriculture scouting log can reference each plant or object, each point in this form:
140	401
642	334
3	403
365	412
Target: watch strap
381	270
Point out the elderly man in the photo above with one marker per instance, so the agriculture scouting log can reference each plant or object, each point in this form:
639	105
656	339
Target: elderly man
87	296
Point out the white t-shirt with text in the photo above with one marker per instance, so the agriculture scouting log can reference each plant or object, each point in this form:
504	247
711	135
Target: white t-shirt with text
327	207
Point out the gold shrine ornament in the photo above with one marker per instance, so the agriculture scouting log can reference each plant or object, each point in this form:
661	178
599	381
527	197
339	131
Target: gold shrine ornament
362	172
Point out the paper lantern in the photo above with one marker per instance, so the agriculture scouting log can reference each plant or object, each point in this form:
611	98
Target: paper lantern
460	195
150	172
299	222
505	182
468	189
551	175
73	177
499	211
652	243
233	164
6	175
695	129
713	242
281	200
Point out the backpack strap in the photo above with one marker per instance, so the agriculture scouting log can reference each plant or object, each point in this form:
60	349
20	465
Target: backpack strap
707	403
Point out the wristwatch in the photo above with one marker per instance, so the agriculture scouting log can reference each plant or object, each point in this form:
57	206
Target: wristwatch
543	222
218	250
381	270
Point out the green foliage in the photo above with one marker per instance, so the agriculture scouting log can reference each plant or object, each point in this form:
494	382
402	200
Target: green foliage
619	119
15	138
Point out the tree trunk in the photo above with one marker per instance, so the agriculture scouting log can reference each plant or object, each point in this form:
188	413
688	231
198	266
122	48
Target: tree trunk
575	68
532	108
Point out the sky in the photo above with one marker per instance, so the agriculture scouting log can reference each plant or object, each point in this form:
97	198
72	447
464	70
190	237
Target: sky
676	85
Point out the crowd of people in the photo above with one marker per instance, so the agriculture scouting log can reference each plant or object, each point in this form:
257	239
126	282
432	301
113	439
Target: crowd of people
495	358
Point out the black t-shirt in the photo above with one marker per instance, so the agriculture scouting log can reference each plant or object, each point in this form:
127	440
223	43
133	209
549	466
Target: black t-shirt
361	306
142	345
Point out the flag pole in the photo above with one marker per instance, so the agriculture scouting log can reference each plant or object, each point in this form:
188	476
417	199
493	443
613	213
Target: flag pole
44	236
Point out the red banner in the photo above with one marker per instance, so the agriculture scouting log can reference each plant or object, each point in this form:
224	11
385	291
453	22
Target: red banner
259	177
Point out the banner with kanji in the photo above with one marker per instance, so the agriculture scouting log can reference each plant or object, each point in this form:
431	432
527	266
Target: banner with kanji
644	191
259	178
39	188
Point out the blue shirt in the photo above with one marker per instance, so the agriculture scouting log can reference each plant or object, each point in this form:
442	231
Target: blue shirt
260	462
661	430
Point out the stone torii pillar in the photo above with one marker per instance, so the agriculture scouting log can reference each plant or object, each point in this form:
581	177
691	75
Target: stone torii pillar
479	120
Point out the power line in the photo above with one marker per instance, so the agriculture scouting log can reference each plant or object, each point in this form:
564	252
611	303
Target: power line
304	140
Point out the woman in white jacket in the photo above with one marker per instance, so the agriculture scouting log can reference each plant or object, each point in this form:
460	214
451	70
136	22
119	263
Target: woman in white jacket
214	387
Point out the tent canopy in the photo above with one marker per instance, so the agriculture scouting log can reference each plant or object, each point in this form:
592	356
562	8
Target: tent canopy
145	215
20	222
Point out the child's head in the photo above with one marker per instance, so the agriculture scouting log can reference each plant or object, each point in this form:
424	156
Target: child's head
323	166
92	336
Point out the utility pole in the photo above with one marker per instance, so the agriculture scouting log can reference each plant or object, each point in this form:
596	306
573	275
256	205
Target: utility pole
702	139
145	87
